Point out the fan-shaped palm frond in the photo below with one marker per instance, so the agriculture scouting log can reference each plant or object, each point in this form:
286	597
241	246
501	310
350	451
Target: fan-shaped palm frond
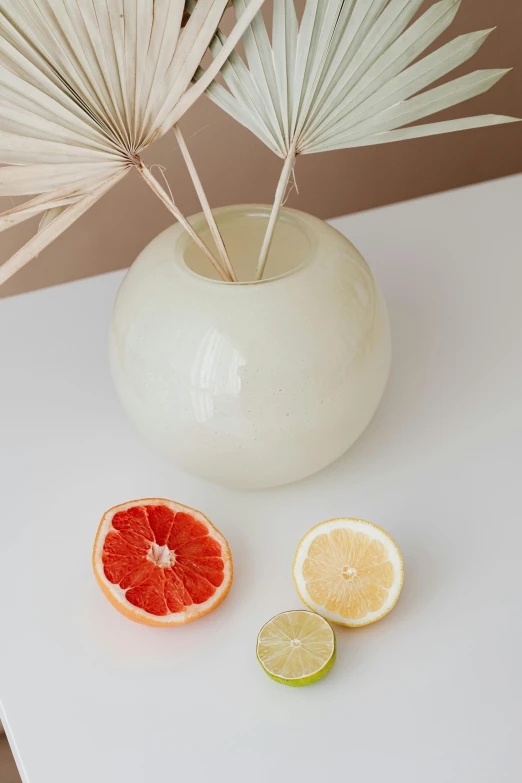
348	75
85	87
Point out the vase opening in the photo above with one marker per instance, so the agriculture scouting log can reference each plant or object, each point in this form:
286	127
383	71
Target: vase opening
243	230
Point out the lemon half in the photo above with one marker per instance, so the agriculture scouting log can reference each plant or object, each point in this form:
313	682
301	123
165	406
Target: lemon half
296	648
349	571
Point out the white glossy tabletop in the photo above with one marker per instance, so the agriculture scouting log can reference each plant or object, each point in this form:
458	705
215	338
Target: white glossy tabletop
431	693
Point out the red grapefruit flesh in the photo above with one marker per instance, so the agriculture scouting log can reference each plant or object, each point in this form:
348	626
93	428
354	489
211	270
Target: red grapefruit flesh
161	563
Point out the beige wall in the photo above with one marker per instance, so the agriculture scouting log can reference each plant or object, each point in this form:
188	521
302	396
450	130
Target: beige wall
237	168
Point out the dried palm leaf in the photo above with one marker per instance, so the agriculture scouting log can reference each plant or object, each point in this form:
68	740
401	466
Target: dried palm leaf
347	76
85	87
189	7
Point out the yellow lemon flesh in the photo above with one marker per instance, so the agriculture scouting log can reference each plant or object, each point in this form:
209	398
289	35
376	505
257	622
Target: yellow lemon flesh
296	648
349	571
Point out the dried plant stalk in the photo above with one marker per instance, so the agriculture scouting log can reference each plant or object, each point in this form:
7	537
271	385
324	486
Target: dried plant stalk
218	239
167	200
276	209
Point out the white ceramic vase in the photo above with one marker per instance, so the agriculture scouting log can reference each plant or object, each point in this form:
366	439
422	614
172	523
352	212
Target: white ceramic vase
253	384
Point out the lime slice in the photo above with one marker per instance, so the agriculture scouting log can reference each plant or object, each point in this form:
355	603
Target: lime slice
296	648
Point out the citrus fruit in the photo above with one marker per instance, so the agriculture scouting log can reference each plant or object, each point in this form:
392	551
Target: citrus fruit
160	563
296	648
349	571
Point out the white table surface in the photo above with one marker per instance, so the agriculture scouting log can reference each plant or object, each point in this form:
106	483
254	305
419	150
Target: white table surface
432	693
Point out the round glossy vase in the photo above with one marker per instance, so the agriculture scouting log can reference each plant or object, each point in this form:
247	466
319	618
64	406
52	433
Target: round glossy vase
253	384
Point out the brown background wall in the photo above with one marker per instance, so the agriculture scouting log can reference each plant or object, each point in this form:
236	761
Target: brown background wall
236	168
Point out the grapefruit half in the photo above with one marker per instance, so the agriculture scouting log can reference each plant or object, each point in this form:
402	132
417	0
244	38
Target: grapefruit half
160	563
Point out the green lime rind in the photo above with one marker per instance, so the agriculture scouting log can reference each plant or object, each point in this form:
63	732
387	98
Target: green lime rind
304	681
